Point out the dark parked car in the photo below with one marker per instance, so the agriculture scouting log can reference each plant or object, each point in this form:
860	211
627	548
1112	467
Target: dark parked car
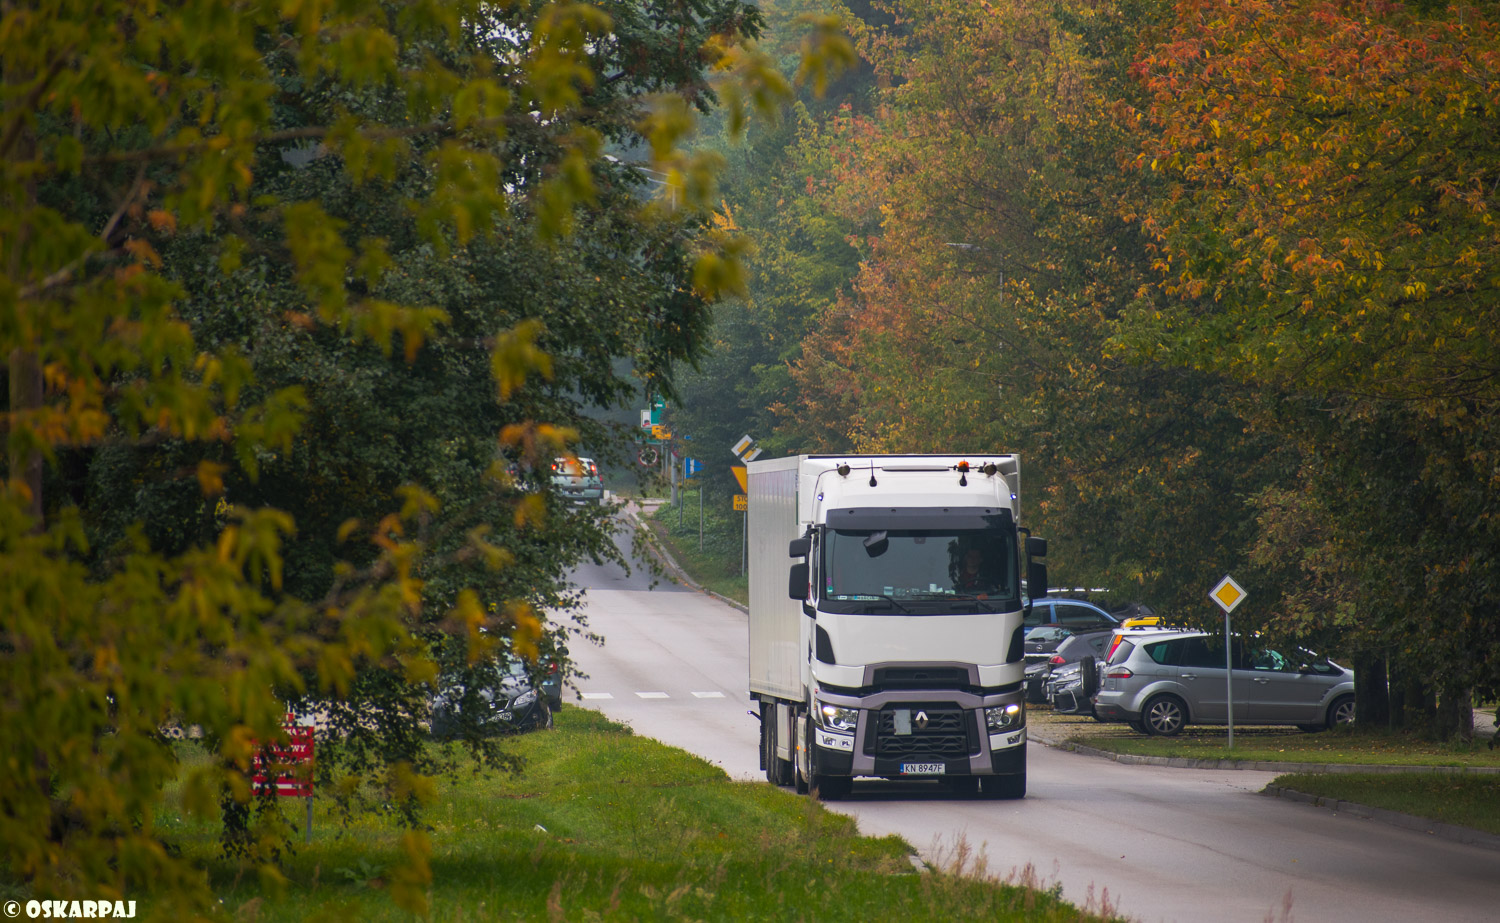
1051	646
1042	640
1071	687
502	698
1066	684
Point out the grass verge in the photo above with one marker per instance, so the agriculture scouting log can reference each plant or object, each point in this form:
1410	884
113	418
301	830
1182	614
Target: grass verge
1466	801
1285	744
716	563
606	825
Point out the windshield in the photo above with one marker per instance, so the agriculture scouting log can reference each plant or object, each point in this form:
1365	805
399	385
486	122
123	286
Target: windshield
919	571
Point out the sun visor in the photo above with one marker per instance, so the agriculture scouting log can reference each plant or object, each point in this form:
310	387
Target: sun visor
870	518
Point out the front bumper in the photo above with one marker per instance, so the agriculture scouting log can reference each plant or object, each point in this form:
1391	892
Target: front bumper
899	729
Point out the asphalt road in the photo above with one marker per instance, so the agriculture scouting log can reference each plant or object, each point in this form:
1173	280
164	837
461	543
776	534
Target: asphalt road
1153	843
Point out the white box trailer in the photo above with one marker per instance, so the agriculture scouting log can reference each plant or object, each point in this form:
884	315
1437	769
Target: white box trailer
886	608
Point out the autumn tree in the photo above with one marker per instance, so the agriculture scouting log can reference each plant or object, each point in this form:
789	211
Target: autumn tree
1326	233
232	234
983	312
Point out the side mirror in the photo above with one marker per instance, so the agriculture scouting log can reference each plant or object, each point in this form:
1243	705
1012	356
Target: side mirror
1036	579
799	547
796	584
1036	547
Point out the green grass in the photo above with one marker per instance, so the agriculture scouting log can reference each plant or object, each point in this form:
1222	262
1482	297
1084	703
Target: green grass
606	825
717	566
1286	744
1464	800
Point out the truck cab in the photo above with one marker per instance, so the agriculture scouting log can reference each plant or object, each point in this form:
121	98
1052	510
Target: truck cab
907	599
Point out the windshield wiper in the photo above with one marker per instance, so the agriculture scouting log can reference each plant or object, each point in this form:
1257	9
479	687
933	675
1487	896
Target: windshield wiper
861	597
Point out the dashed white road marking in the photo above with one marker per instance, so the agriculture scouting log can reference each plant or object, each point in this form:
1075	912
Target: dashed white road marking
708	695
596	695
653	695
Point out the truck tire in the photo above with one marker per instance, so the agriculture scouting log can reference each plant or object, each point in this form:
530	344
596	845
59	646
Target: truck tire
831	788
778	770
801	780
819	786
1008	788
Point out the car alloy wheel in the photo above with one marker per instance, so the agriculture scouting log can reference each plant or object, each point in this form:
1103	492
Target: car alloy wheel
1164	716
1341	711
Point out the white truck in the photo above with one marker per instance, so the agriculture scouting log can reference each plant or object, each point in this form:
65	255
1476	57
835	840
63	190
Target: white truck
892	647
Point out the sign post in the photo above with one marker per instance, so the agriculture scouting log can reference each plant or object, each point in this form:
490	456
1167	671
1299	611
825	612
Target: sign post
746	451
1227	594
297	757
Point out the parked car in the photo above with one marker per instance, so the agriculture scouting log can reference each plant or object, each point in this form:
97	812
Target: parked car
1160	681
1042	640
1069	649
577	479
1071	687
502	698
1073	614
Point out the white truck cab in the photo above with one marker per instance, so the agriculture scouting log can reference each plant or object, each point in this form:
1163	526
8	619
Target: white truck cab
886	608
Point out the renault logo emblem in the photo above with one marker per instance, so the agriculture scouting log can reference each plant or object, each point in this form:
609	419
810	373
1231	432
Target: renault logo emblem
921	721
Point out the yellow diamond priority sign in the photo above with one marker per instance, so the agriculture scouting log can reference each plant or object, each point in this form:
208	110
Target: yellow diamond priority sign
1227	594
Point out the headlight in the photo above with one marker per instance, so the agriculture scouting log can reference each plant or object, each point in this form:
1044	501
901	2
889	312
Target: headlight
524	699
1004	717
836	717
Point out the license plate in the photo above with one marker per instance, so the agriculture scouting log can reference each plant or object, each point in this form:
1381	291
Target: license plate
923	769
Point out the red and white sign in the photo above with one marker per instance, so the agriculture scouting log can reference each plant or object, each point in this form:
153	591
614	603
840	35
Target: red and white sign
296	755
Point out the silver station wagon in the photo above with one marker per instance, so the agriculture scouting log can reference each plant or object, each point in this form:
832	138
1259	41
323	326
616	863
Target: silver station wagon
1160	681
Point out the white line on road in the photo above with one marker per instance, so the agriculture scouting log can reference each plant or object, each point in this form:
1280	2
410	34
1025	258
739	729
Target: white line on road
708	695
596	695
653	695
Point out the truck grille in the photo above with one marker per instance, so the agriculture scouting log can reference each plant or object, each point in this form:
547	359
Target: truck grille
949	733
921	678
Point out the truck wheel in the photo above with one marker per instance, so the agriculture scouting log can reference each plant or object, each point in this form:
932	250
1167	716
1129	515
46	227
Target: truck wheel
800	782
778	770
767	741
1006	787
831	788
967	786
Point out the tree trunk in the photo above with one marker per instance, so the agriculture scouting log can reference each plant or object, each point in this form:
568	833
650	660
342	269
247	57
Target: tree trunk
1372	695
1454	715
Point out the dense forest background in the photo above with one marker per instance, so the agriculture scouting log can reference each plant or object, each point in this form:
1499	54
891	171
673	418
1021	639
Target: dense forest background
301	300
1223	272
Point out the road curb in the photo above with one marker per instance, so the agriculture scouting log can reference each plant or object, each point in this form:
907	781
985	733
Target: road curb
1466	835
1182	762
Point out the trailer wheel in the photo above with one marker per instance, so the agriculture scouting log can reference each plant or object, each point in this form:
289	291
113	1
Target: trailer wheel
778	770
